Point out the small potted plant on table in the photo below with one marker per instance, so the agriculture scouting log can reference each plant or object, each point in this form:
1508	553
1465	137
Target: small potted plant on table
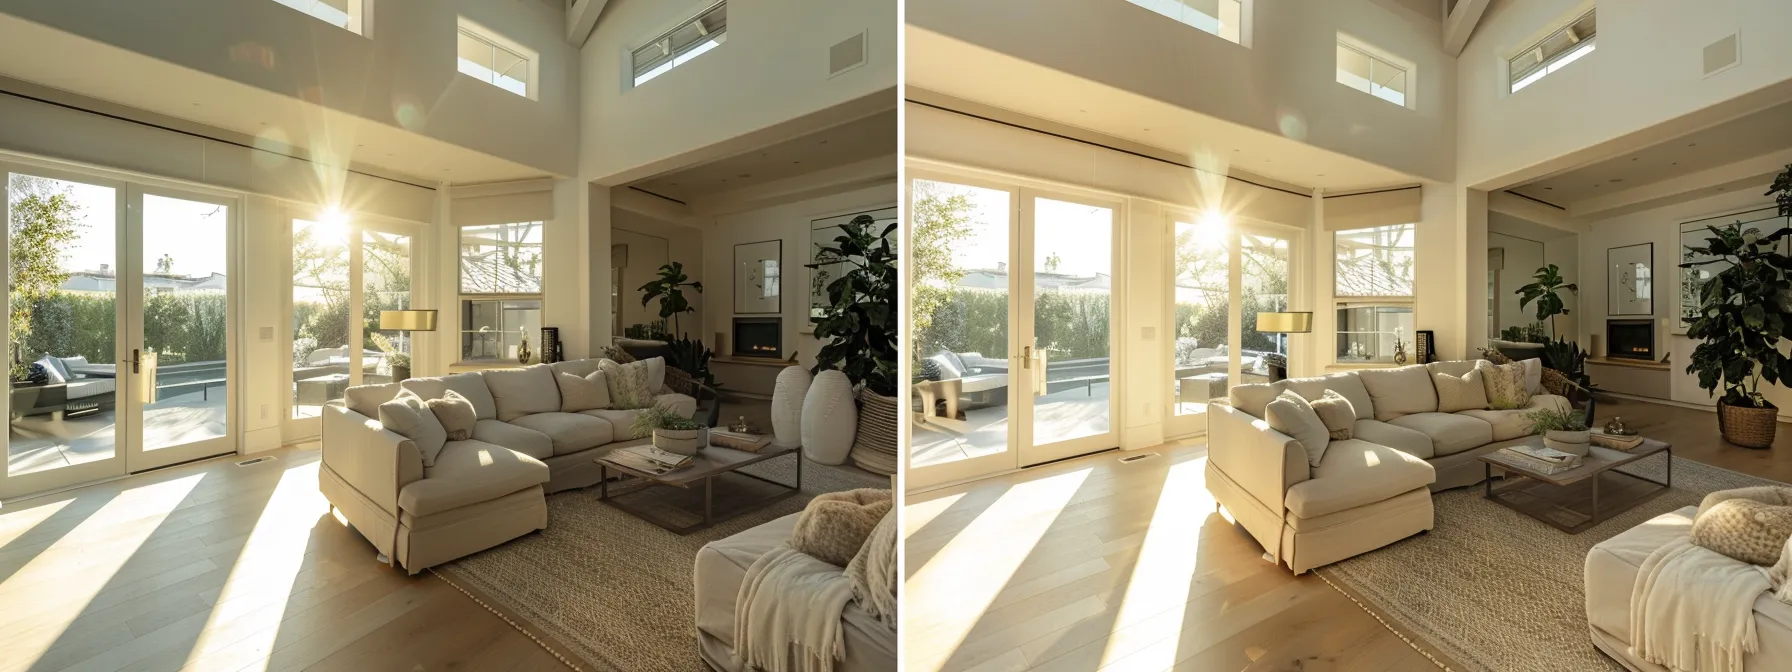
1561	429
671	432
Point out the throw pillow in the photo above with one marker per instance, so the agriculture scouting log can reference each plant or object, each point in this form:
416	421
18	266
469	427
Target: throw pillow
1292	415
656	375
1533	376
53	369
1748	524
407	416
582	393
1336	411
835	525
456	414
1460	393
628	384
1504	384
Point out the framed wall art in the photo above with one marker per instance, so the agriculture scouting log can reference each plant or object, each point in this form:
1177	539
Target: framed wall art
758	277
1630	280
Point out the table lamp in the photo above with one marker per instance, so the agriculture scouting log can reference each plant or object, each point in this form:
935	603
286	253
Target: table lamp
1282	323
405	320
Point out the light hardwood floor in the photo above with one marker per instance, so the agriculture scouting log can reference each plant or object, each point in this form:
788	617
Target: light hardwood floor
211	566
1096	564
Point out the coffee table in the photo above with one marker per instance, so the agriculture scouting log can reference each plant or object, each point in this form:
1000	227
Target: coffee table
1571	501
709	464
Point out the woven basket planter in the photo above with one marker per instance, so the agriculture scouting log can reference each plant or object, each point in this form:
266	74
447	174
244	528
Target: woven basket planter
1747	427
874	449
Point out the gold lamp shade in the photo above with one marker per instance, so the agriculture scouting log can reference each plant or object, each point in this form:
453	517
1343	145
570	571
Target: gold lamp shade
407	320
1285	323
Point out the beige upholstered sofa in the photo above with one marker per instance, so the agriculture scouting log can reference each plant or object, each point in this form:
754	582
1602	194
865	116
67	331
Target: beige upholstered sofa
482	491
722	567
1610	576
1368	491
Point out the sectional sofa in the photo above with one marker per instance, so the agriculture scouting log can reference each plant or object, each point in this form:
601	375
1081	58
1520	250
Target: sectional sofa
482	491
1369	490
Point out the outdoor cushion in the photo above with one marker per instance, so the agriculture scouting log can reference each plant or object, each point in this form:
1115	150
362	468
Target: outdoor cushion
1253	398
54	369
515	437
1400	391
470	472
571	432
948	366
470	385
1450	433
366	399
1512	424
1292	415
1410	441
956	362
524	391
1355	473
82	388
406	416
1347	384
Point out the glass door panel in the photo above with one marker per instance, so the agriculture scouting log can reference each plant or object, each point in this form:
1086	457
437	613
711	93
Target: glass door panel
186	326
1263	287
63	247
959	320
386	285
1201	351
1072	278
321	312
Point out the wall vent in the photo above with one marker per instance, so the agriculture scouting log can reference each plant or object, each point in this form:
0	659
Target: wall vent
1722	55
257	460
848	54
1135	458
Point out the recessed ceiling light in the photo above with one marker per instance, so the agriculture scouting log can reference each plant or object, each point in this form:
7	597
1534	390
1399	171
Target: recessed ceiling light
795	162
1549	188
673	183
1616	180
1147	130
1692	144
1633	158
1676	163
824	142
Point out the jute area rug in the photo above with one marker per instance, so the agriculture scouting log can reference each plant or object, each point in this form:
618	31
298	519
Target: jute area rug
1493	589
605	590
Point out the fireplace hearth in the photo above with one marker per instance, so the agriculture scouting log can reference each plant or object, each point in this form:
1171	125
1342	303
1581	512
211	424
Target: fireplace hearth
758	337
1630	339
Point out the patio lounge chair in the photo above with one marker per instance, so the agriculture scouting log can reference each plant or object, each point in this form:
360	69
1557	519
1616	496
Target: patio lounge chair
969	374
74	386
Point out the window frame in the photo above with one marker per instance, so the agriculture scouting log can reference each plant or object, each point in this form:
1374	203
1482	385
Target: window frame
1341	301
463	297
531	59
670	57
358	14
1408	97
1518	79
1243	22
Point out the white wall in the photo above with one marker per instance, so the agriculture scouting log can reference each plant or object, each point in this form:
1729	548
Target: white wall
773	68
1285	82
1646	69
653	243
1523	257
404	76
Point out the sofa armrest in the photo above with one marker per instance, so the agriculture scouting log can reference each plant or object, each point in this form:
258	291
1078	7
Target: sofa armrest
372	459
1262	461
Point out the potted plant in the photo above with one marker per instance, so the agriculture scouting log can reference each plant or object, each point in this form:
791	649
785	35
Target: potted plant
669	289
399	362
671	432
1546	291
858	324
1561	429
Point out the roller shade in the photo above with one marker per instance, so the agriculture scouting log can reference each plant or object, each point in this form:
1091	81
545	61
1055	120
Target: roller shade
533	206
1380	208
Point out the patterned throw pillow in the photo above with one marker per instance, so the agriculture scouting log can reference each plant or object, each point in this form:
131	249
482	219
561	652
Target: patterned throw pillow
834	525
1460	393
1505	385
1748	524
627	383
1336	412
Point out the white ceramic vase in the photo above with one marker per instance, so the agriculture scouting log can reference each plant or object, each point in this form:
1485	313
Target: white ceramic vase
788	398
830	419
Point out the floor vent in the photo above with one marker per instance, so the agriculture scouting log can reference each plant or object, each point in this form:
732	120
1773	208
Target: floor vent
848	54
1135	458
257	460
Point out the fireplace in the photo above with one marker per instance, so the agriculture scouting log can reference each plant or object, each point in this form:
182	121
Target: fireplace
1630	339
758	337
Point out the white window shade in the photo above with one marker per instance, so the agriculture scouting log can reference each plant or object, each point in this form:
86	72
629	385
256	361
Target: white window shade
1380	208
700	34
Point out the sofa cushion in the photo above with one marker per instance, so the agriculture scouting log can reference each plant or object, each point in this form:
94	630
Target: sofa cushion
1512	423
582	393
1399	391
1355	473
1459	392
366	399
1337	414
682	404
1292	415
570	432
1347	384
470	385
515	437
525	391
1410	441
407	415
53	369
622	421
455	413
1533	375
1450	433
1458	367
577	367
1253	398
1505	385
470	472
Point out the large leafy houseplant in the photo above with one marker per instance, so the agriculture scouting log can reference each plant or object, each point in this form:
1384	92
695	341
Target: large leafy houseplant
669	289
858	324
1546	291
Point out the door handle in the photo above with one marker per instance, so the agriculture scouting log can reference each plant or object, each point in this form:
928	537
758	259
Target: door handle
136	363
1026	358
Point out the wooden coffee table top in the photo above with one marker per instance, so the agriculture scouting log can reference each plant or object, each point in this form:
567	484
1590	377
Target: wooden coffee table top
710	461
1598	459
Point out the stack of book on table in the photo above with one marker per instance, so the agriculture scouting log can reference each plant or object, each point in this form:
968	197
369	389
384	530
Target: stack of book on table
746	441
1616	441
1539	458
648	458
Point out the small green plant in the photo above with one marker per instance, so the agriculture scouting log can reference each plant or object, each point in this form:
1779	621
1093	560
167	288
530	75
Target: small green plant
1532	333
1555	420
669	289
661	416
654	331
398	360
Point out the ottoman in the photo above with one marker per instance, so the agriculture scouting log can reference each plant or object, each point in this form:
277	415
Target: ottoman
1611	572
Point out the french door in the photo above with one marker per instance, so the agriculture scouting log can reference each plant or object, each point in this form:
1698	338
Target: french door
1013	310
1223	273
121	333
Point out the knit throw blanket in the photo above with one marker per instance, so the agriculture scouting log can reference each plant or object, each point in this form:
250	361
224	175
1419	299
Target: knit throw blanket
873	572
787	615
1692	609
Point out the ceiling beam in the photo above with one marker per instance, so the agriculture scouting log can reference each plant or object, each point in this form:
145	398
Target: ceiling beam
581	19
1460	25
1533	211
